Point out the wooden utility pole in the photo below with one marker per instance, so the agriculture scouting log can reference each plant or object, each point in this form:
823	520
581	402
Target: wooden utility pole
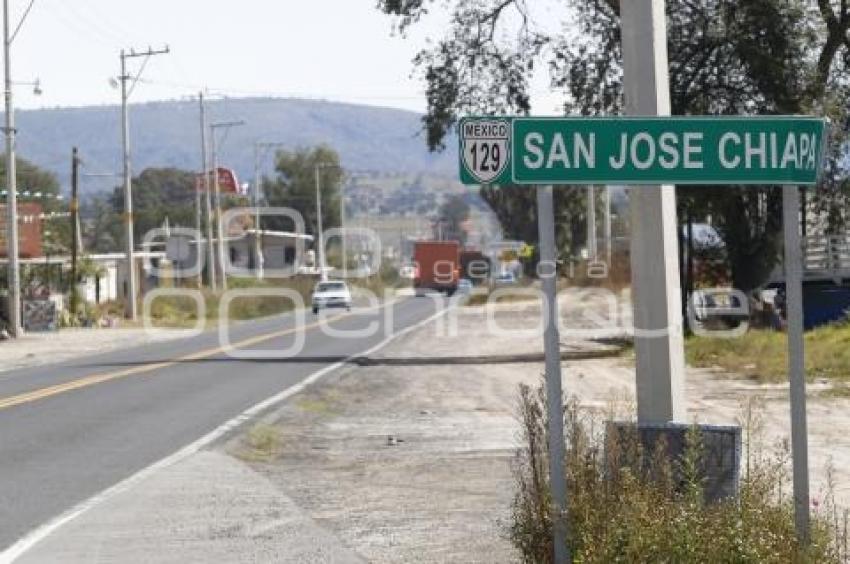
75	227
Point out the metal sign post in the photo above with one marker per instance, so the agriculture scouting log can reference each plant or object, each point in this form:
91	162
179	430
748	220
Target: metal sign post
554	393
796	358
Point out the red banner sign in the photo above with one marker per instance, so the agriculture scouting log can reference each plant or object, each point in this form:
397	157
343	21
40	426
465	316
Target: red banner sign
227	182
29	230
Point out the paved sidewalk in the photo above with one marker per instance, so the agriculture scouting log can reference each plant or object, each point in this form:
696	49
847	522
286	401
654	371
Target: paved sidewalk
209	507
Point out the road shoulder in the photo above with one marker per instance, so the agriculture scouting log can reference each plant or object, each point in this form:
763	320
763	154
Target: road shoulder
208	507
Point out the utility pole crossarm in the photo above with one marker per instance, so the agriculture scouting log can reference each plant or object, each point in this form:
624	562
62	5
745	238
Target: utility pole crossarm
147	53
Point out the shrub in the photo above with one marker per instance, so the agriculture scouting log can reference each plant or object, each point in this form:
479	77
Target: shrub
179	311
621	511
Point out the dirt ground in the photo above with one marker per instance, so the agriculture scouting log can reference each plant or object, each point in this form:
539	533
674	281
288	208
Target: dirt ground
412	462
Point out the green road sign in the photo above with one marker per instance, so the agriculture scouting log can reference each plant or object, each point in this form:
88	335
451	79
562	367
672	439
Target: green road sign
641	150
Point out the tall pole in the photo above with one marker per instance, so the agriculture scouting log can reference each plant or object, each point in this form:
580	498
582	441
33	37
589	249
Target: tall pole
552	352
132	292
796	365
255	201
75	227
259	146
342	229
218	227
609	244
131	305
217	188
205	183
321	242
198	197
11	189
656	295
591	223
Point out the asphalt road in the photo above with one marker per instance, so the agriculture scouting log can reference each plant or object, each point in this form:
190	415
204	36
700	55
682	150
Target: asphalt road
69	431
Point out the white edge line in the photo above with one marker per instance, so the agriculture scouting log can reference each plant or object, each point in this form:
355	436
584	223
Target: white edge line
35	536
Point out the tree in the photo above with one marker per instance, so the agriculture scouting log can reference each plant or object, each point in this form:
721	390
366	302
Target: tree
453	216
39	186
101	226
730	57
725	57
31	178
295	187
516	208
158	193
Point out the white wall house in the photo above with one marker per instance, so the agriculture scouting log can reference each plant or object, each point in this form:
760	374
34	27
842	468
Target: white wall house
280	250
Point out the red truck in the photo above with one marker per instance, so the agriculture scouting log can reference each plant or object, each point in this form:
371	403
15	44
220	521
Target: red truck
437	266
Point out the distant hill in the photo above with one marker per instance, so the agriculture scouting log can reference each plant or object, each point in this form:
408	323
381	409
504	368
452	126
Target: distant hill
166	134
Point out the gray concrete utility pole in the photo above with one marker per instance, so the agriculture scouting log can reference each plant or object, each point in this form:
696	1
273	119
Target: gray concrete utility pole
319	167
343	234
132	291
259	152
11	188
656	296
217	189
12	244
320	243
75	227
205	184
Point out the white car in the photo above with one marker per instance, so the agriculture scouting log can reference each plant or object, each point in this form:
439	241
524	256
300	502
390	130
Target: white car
332	293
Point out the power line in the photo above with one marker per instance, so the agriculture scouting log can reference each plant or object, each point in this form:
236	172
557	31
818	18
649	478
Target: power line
82	28
225	91
20	23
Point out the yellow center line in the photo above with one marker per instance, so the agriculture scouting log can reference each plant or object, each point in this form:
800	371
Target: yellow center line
91	380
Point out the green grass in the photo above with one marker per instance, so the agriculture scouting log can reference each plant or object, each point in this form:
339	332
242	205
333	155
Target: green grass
762	355
181	311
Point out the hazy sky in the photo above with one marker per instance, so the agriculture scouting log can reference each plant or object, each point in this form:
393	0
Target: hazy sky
326	49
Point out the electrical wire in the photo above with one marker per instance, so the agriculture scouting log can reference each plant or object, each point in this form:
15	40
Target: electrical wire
226	92
20	23
138	76
82	28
